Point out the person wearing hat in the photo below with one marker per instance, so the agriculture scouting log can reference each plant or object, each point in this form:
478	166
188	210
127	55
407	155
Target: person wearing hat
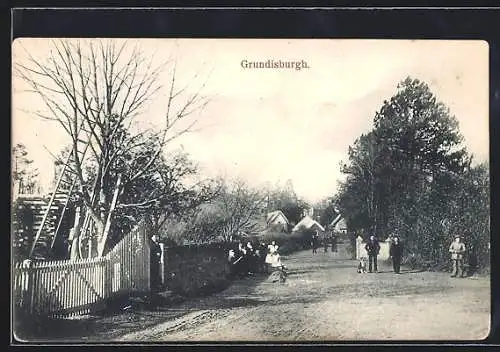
155	258
457	250
372	247
396	252
334	242
314	241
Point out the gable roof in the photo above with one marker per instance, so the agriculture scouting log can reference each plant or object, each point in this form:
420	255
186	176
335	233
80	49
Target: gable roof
335	221
340	225
307	222
272	216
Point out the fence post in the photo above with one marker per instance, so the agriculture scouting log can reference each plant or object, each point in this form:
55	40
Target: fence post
162	265
359	243
30	292
147	258
106	279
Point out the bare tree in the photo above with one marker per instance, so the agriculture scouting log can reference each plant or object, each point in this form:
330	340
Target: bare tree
233	212
96	90
240	205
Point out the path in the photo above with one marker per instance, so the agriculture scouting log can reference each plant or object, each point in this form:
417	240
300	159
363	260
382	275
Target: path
324	298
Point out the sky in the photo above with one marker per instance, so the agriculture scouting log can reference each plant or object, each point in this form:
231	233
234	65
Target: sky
270	125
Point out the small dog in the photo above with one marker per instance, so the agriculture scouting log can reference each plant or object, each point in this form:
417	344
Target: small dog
362	265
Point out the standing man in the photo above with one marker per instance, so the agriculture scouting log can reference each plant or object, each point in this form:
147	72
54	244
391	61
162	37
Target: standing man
155	256
251	258
457	250
263	255
396	252
372	248
315	241
243	262
334	242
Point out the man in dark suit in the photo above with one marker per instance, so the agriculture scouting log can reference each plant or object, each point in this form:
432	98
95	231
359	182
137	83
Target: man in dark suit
314	241
396	252
334	242
372	248
262	257
155	256
242	260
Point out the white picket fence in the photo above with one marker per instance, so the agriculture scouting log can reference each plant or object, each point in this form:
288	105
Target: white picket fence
74	287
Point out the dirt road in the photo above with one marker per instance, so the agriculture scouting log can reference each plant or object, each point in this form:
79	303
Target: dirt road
324	298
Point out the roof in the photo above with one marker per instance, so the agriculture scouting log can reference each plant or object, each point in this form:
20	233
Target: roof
307	222
341	224
335	221
272	216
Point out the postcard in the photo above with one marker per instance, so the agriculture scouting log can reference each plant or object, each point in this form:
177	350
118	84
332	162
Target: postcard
267	190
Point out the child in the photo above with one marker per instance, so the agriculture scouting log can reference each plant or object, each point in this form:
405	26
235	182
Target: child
279	270
272	249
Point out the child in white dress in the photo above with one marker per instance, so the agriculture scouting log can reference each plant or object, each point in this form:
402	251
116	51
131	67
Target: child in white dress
272	250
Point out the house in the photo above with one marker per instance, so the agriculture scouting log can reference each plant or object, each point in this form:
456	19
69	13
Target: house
308	223
338	224
278	219
341	226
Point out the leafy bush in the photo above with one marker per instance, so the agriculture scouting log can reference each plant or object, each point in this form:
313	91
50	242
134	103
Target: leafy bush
278	228
414	261
287	242
419	262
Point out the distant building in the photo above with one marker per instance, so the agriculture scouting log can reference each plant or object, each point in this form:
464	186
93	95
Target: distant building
308	212
278	219
338	224
308	223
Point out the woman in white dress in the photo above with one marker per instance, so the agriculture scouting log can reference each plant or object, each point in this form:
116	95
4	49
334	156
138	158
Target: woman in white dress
273	257
271	250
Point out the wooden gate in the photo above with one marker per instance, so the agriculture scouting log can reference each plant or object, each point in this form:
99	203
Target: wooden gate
73	287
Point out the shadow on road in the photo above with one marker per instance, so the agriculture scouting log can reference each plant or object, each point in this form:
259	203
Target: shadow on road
411	271
315	269
106	328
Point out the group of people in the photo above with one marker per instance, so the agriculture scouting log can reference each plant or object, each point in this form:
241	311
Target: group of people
372	247
327	240
250	259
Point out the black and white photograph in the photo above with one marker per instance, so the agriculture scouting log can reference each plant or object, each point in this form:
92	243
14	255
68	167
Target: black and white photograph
267	190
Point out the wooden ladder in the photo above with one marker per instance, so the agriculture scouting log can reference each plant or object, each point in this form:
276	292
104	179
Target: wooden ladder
46	235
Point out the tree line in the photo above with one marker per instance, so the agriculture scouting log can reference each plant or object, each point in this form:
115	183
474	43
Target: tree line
24	175
412	176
